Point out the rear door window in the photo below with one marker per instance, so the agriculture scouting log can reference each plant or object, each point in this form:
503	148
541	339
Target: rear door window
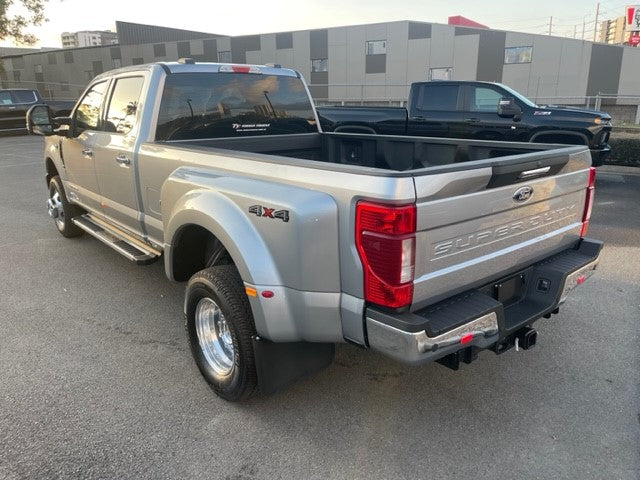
443	98
214	105
24	96
123	106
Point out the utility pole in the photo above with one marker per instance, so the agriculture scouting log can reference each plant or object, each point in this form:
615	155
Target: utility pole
550	24
595	26
575	27
584	19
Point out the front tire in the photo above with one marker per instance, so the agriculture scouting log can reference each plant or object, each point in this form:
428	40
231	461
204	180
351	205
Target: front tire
61	210
220	328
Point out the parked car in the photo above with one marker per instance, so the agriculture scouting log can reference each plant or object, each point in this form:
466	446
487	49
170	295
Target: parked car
291	240
15	102
477	110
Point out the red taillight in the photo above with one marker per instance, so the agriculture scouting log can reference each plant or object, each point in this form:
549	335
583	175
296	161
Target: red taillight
386	243
588	203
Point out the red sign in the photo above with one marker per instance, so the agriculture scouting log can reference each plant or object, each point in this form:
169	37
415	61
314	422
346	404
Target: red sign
634	39
633	17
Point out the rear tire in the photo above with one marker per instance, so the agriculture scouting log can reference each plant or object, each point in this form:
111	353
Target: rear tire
62	211
220	328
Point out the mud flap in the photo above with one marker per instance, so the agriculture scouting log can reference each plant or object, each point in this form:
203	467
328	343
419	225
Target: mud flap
280	364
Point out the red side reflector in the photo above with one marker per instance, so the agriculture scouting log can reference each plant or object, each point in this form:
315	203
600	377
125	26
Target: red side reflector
466	338
268	294
580	280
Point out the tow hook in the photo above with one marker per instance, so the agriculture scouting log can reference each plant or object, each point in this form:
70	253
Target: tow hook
524	339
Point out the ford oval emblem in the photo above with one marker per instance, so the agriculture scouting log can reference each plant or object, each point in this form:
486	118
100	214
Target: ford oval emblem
523	194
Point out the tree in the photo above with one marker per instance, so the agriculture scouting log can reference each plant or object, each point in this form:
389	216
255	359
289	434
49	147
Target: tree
13	25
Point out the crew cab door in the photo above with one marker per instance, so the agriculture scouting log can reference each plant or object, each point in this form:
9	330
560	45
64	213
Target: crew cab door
114	150
77	149
481	119
436	111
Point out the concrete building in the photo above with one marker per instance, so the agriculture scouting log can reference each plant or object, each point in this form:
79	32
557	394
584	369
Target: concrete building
88	38
613	31
363	63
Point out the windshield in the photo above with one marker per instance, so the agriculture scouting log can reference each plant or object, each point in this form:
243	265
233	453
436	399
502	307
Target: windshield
519	96
214	105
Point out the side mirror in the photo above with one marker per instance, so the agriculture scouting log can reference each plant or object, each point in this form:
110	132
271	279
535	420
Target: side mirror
39	121
507	107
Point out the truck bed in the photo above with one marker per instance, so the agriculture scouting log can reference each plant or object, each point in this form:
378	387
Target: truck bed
385	152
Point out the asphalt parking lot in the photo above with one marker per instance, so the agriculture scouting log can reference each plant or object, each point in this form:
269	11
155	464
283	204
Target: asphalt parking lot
97	381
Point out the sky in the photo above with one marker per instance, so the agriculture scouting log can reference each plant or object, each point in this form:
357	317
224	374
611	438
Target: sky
240	17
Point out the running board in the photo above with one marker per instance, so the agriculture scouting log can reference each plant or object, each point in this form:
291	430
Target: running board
123	243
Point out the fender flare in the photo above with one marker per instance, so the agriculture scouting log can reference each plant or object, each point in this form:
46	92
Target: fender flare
218	215
582	136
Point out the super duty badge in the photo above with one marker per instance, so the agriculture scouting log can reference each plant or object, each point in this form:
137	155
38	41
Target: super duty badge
261	211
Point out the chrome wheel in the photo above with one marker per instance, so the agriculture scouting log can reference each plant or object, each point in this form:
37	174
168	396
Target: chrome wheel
214	336
56	209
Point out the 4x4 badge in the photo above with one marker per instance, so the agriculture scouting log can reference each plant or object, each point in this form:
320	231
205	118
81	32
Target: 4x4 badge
523	194
262	211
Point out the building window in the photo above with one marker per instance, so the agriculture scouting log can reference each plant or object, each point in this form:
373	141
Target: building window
117	62
224	57
137	61
159	50
68	57
441	73
518	54
37	68
318	65
376	47
184	49
284	40
16	75
51	58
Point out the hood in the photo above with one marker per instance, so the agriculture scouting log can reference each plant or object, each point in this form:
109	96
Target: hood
571	111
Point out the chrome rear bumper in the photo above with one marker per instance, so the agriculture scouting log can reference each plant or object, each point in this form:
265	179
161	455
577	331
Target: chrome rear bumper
406	336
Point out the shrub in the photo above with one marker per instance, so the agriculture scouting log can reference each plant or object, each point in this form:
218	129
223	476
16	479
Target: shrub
625	150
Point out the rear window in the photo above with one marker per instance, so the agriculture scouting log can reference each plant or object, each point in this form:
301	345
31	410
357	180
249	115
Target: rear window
214	105
438	98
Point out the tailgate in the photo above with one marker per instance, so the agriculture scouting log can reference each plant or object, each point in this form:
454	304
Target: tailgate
480	224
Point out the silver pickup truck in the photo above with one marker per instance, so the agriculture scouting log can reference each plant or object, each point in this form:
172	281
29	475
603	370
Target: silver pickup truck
291	240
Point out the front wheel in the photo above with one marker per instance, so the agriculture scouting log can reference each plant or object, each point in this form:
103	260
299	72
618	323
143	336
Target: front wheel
61	210
220	327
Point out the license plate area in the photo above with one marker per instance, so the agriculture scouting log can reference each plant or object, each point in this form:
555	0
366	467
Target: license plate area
509	290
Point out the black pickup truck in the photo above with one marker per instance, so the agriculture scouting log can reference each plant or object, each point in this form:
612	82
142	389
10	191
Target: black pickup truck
476	110
15	102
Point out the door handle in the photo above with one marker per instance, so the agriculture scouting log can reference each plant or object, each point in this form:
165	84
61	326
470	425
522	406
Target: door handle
472	120
122	159
87	152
